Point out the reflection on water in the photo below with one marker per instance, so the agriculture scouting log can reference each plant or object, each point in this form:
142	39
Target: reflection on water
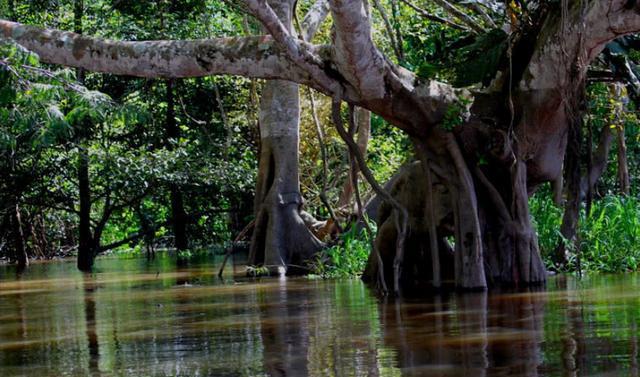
152	319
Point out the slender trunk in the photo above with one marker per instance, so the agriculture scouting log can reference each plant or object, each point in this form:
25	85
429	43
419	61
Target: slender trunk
431	219
623	167
178	213
19	248
363	119
86	251
599	161
589	195
179	219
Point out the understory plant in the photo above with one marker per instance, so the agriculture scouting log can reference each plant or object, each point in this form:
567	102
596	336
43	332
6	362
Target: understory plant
348	258
609	238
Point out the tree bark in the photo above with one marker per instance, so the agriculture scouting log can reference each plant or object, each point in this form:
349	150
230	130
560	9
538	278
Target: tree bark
569	227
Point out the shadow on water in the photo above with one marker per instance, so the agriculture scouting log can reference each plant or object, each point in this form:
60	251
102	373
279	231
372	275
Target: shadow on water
154	318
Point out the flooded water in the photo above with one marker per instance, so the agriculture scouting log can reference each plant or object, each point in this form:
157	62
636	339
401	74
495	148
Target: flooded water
139	318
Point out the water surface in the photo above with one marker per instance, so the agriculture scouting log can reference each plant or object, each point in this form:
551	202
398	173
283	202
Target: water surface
139	318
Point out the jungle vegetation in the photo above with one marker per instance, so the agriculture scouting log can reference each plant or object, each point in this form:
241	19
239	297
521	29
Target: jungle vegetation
419	143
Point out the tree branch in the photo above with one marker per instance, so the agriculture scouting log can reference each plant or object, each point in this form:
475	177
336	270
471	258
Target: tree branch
314	19
395	45
423	13
468	20
294	49
256	56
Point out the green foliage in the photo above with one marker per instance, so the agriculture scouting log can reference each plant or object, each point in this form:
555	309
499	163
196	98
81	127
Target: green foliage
547	218
609	238
388	149
346	259
256	271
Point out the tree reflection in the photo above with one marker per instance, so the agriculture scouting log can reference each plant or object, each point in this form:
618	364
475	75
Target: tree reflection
471	334
90	286
285	333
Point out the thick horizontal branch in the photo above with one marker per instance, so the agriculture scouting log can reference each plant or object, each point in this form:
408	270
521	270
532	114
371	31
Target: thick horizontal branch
354	65
256	57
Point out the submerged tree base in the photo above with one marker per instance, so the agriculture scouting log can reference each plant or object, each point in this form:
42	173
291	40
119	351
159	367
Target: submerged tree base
461	231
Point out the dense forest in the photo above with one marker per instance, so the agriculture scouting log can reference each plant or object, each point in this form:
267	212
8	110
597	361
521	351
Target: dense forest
416	143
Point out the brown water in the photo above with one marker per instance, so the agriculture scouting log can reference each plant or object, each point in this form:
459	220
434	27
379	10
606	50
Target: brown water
139	318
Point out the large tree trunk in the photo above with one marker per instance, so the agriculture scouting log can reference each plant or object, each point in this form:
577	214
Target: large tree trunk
484	209
281	241
513	141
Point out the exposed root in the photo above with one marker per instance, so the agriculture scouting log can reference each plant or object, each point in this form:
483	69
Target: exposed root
433	234
402	213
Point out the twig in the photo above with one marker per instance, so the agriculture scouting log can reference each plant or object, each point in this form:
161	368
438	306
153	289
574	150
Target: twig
325	169
465	18
392	37
230	249
435	18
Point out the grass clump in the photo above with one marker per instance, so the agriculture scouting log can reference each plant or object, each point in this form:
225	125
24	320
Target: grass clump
348	258
609	237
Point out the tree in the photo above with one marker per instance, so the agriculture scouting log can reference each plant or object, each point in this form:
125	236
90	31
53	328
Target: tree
281	238
489	152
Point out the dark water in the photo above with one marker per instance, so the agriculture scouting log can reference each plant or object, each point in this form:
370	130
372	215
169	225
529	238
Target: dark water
137	318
